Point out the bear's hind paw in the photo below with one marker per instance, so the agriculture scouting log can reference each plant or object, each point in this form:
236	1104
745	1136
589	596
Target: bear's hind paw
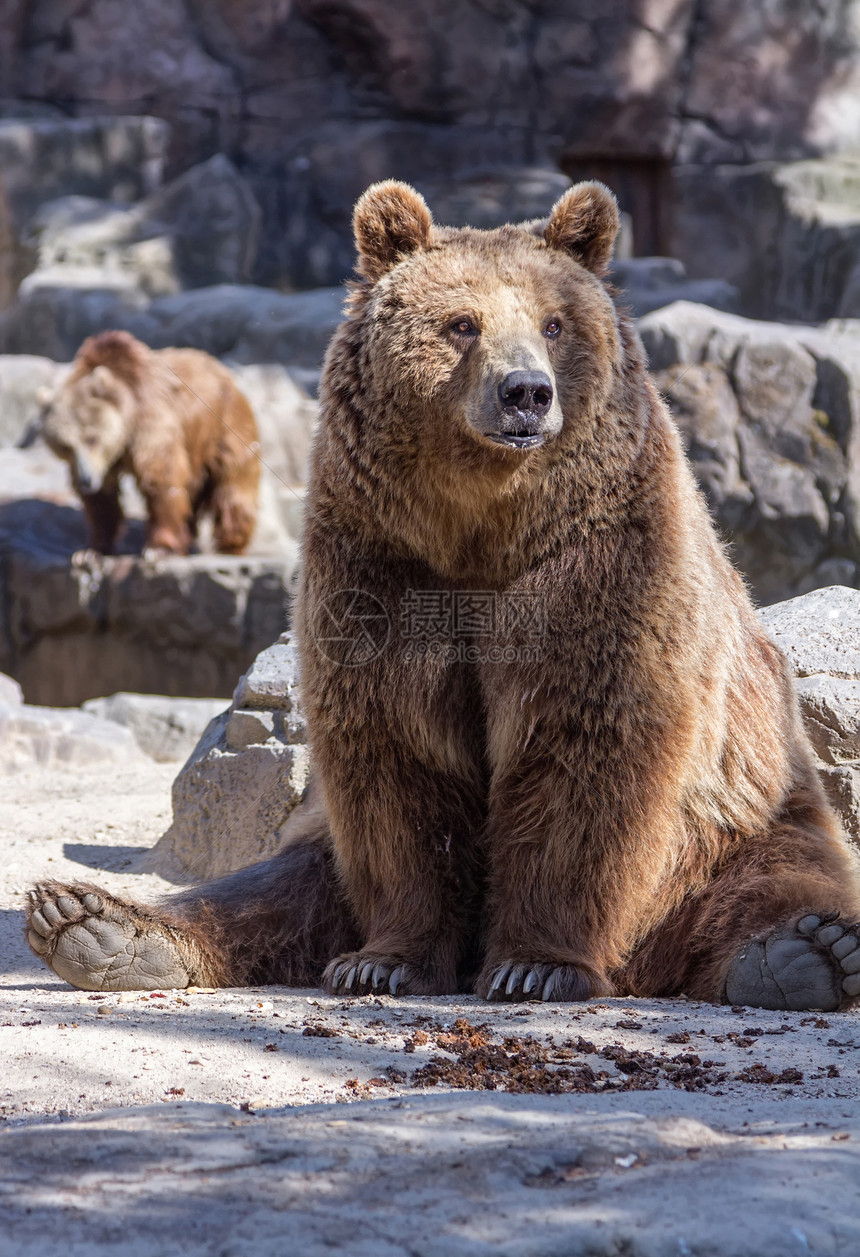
813	962
97	943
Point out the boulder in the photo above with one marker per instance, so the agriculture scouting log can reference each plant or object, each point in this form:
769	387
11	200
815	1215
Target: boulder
820	635
167	729
233	798
238	321
54	738
22	376
771	419
199	230
77	626
649	283
11	694
785	234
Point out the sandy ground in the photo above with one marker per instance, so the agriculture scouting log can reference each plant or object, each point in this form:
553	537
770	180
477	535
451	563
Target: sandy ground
744	1075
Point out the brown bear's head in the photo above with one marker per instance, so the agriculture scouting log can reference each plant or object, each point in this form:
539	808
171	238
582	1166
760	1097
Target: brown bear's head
508	333
87	422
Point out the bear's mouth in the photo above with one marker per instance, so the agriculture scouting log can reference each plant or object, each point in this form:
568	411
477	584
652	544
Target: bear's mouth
518	440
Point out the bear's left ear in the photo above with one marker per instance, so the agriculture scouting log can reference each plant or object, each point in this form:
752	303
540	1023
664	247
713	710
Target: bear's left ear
390	221
584	222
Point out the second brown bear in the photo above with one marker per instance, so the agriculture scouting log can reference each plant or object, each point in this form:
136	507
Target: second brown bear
177	422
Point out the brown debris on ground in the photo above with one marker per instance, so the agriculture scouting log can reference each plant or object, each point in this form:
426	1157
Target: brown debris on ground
523	1065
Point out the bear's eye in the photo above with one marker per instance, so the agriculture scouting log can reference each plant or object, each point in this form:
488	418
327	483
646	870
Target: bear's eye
464	327
552	329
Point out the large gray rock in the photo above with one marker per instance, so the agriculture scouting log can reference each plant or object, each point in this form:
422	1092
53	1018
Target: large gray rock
51	737
771	417
199	230
242	322
181	626
167	729
233	798
650	283
831	708
820	635
22	376
786	235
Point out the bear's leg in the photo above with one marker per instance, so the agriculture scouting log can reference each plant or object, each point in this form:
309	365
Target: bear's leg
405	855
275	922
776	928
234	512
168	529
577	853
104	517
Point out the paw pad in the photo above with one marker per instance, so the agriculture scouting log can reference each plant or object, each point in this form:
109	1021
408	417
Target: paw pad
841	939
813	964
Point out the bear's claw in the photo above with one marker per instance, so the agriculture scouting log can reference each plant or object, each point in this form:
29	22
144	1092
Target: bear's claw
97	943
811	963
516	982
362	974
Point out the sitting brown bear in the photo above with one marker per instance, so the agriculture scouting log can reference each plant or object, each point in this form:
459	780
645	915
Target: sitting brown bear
176	421
620	799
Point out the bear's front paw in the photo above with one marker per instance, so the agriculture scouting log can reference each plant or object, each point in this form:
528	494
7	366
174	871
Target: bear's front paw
516	981
363	973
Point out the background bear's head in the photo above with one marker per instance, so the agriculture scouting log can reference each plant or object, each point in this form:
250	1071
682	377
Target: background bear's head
87	422
502	341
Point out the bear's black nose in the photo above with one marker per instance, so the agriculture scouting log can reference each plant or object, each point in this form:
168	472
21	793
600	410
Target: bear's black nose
529	391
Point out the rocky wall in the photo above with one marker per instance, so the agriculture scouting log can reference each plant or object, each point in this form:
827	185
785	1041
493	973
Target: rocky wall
315	99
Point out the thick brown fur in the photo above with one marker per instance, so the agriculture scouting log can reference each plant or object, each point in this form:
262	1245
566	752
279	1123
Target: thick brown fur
620	800
177	422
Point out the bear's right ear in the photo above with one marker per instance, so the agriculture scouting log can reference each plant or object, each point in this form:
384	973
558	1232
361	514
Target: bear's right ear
390	221
584	222
101	380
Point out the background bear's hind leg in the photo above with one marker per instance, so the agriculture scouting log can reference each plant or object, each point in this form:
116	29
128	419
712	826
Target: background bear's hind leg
234	513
